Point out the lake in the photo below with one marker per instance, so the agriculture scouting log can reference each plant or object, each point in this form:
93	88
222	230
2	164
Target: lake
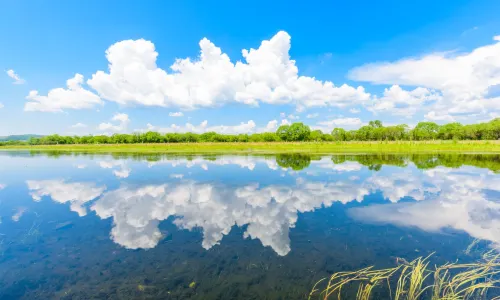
135	226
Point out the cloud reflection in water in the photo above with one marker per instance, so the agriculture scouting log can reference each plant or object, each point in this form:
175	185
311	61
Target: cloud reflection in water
442	198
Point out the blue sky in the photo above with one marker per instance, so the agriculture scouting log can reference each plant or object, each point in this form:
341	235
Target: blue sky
340	63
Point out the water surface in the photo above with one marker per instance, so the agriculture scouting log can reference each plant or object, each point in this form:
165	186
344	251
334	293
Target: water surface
81	226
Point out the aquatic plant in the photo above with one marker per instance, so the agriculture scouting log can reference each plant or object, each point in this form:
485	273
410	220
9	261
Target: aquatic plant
416	280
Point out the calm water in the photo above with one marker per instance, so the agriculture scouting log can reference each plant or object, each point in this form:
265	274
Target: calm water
231	227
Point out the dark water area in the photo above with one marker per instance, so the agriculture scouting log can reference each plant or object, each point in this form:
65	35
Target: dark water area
133	226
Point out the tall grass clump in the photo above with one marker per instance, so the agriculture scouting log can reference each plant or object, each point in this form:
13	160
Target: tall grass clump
415	280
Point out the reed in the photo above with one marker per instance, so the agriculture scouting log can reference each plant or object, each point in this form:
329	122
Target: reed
417	280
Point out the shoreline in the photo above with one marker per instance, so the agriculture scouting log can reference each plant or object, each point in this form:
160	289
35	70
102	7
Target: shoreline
475	147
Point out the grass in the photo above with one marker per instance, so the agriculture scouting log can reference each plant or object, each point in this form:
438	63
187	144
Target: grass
416	280
279	147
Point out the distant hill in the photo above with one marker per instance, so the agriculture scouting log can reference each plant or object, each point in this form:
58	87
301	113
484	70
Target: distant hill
20	137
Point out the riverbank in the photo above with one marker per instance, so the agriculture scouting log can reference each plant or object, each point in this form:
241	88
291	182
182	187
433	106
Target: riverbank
278	147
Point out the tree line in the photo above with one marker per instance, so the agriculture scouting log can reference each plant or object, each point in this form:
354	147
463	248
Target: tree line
296	132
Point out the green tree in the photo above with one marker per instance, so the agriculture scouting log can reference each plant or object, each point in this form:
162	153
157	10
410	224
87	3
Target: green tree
316	135
34	141
152	137
451	131
299	132
284	132
425	131
365	133
375	124
339	134
294	132
208	136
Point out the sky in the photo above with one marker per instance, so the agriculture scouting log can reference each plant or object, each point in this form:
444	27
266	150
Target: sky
104	67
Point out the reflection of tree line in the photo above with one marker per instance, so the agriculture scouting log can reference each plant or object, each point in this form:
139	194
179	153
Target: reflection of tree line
150	157
296	161
376	161
299	161
423	161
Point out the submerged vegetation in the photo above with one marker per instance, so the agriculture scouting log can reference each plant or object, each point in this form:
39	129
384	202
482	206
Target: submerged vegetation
296	132
416	280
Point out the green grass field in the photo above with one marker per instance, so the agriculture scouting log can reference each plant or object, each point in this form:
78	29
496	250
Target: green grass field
280	147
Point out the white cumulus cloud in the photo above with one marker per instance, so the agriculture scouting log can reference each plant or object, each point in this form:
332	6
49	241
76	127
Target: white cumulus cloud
462	81
79	125
266	75
285	122
17	79
243	127
327	126
122	120
437	117
175	114
74	97
272	126
398	101
343	122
